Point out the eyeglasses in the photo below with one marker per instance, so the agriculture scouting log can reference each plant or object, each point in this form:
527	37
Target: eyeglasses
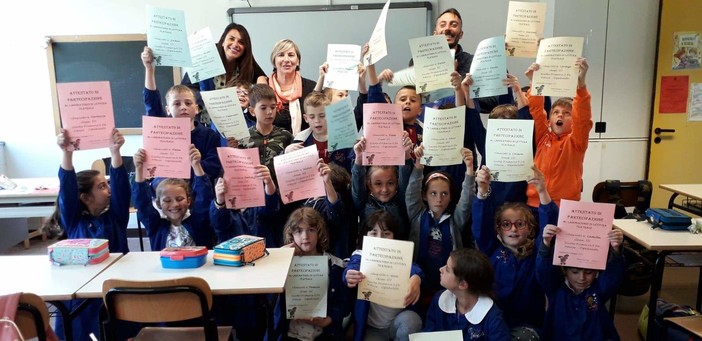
242	93
507	225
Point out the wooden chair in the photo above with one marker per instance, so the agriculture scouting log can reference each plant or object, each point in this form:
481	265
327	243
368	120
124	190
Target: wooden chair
153	302
32	317
102	165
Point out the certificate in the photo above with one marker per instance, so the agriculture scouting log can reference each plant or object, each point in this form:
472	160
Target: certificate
306	287
341	125
343	62
525	26
489	68
443	136
205	58
386	263
298	177
508	149
557	74
243	189
167	37
377	46
382	128
582	241
225	110
167	146
449	335
433	63
87	114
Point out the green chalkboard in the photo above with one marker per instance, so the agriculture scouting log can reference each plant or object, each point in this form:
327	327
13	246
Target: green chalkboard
113	58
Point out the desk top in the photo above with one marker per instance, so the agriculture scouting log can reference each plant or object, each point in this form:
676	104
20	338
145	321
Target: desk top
689	190
267	276
659	239
37	275
31	190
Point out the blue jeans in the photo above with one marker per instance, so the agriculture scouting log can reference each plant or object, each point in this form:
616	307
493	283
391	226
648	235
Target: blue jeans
405	323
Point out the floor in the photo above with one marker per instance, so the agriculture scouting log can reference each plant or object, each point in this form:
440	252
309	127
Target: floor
679	286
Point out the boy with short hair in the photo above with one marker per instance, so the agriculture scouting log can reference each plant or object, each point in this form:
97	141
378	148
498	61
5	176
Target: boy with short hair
181	102
561	140
576	296
269	139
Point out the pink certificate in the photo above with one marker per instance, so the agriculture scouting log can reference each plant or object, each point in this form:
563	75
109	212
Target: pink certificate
167	146
582	241
298	177
382	128
87	114
243	189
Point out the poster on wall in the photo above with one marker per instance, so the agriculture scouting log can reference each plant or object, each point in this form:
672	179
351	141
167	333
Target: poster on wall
686	50
673	98
694	109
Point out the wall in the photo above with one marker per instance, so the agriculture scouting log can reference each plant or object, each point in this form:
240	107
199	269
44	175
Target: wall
620	77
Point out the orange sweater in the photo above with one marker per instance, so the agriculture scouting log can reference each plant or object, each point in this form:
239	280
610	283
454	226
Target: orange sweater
560	158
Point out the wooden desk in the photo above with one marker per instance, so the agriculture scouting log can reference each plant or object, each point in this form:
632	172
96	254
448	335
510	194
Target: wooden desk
691	191
52	283
663	242
267	276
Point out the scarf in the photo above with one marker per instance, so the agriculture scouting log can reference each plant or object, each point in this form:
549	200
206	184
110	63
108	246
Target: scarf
291	97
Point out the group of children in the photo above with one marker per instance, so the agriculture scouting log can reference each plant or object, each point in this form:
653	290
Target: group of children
482	248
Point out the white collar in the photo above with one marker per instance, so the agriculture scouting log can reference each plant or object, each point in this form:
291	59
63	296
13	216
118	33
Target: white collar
447	303
444	216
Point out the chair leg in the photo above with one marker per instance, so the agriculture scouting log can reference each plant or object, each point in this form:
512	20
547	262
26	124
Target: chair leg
141	236
612	306
699	291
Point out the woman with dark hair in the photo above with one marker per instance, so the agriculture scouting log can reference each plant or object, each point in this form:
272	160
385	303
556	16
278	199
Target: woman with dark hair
235	50
289	86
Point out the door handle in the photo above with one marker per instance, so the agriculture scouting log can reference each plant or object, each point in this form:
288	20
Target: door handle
658	131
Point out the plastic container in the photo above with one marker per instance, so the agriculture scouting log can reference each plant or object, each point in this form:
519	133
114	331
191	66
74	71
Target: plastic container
79	251
187	257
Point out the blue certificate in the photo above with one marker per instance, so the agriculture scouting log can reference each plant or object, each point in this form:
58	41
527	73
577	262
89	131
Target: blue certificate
167	37
341	125
489	68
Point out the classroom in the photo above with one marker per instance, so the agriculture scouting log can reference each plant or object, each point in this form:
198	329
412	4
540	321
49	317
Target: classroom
628	46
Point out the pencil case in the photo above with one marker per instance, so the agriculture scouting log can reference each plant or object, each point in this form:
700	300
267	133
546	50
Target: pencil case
186	257
239	251
79	251
668	219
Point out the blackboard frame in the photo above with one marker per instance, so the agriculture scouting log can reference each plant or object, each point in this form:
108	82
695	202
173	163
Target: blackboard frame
116	100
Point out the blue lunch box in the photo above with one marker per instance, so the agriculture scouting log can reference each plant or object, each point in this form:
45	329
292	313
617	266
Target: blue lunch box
186	257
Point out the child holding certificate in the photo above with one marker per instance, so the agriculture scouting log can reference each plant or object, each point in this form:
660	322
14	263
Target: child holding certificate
333	95
371	320
306	231
316	134
180	217
561	139
90	207
466	304
437	221
229	223
181	102
576	304
507	238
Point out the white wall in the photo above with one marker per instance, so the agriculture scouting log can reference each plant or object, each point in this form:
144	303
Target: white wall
622	80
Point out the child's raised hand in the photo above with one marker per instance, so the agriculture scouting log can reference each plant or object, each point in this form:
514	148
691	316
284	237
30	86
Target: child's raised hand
482	178
456	81
616	237
147	58
550	231
262	173
361	70
360	146
194	155
324	171
139	158
353	277
323	69
539	180
220	189
293	147
364	49
581	64
467	83
232	142
418	153
529	73
62	140
385	75
117	140
513	82
413	291
467	155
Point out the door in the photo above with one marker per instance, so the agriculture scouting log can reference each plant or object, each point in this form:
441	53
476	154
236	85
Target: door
675	154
